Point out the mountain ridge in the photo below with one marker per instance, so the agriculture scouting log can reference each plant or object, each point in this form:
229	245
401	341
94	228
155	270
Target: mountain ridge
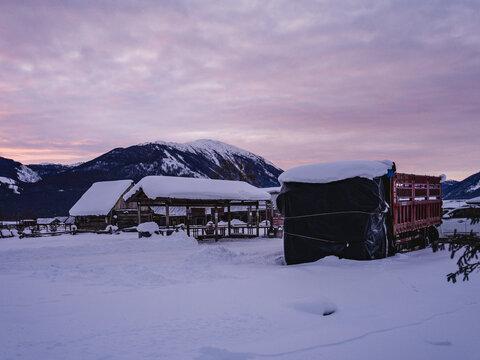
59	186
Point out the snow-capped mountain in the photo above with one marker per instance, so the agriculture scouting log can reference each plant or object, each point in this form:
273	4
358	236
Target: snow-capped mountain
58	187
201	158
14	174
466	189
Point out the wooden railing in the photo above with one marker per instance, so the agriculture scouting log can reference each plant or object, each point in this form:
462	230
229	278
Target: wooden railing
201	232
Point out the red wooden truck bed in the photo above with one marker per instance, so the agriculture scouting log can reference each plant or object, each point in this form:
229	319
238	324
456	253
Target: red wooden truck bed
416	208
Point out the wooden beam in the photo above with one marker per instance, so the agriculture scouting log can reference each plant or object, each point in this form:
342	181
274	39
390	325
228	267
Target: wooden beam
229	222
167	215
257	219
139	213
216	224
189	216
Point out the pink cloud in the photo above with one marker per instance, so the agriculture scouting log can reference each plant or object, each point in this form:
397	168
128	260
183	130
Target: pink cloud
297	82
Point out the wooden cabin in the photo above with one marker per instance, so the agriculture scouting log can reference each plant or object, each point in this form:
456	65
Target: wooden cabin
103	204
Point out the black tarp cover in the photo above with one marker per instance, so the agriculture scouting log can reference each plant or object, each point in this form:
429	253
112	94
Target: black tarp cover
345	218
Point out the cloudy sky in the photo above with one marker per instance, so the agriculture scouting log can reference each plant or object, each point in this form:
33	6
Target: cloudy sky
294	81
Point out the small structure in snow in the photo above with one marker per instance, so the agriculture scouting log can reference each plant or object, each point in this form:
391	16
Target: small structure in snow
103	204
47	224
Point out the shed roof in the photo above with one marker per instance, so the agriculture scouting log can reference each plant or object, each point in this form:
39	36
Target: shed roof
100	198
336	171
46	221
183	188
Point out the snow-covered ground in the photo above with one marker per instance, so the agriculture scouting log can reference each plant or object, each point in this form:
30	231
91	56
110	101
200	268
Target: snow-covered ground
120	297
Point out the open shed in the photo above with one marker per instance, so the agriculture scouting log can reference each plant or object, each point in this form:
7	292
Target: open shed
335	209
170	192
102	204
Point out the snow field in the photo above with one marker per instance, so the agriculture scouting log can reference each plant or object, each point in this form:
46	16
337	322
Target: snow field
167	297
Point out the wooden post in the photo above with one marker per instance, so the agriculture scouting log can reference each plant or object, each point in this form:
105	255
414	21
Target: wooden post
229	221
189	216
167	215
139	213
257	216
216	223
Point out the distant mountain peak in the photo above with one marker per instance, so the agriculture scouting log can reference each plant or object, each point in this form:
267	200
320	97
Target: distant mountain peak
465	189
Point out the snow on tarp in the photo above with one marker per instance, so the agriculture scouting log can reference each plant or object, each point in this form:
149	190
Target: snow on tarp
335	171
171	187
100	198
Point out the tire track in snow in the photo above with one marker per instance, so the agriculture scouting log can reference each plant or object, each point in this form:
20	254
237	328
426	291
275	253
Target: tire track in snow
211	353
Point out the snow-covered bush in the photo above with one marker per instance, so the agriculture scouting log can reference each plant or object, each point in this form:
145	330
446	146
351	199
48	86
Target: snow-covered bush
26	231
6	233
111	229
148	229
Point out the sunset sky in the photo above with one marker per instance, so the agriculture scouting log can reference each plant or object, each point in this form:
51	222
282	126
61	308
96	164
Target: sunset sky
294	81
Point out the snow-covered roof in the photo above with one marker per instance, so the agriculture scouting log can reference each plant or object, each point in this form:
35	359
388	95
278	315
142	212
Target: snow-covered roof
66	219
172	187
336	171
46	221
100	198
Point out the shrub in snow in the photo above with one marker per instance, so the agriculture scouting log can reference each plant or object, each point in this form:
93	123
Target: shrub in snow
26	231
111	229
148	229
6	233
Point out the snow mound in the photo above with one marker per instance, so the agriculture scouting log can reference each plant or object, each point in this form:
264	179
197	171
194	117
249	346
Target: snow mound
5	233
318	306
148	227
233	222
213	255
335	171
111	228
